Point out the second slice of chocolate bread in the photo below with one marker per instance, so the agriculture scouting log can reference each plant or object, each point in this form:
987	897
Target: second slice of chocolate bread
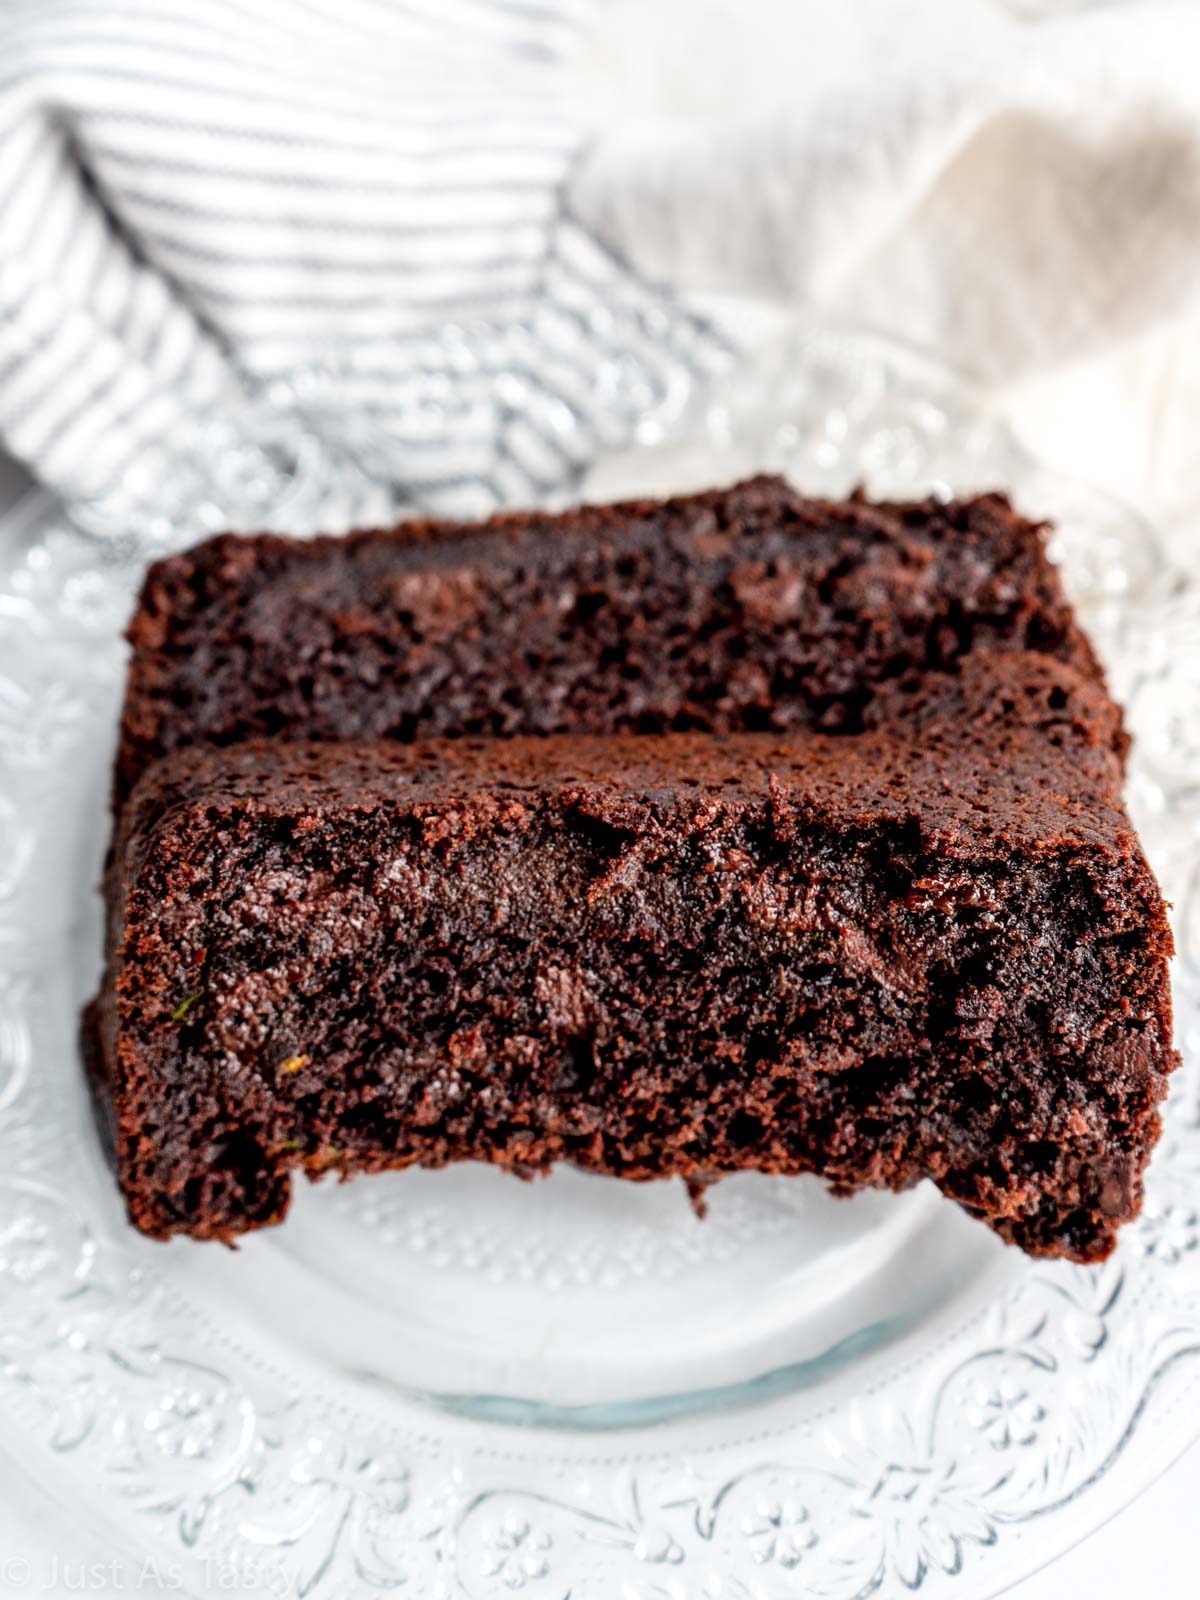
748	609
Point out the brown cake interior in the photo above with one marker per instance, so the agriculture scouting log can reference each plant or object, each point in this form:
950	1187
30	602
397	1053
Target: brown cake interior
932	949
749	609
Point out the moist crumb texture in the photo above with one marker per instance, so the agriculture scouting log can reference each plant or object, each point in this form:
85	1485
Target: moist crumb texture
738	611
737	832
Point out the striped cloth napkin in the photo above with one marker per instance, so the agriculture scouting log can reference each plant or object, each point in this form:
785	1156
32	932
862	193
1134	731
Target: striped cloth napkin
285	260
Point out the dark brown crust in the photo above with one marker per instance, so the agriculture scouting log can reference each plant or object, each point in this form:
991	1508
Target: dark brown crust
932	950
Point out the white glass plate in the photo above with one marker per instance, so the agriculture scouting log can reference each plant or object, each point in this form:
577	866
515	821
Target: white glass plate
454	1383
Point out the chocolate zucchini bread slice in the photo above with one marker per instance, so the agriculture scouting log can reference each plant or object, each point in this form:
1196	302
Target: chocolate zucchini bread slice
748	609
931	949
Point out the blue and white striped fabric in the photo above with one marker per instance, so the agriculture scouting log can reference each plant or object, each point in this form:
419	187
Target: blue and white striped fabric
246	244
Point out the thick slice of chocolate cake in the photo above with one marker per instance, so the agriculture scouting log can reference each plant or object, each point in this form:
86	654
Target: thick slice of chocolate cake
929	950
748	609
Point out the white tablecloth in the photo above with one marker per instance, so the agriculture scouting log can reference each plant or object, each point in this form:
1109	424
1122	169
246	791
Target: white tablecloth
198	224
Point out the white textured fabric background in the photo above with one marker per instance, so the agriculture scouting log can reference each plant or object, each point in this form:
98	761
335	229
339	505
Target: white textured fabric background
337	231
1016	186
1016	192
391	234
